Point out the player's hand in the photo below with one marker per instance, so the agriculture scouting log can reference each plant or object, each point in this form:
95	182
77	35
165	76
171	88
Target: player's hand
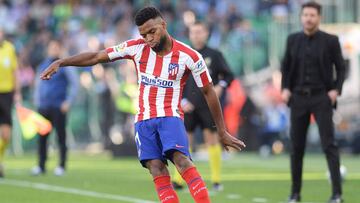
65	106
187	106
230	141
285	95
333	94
49	71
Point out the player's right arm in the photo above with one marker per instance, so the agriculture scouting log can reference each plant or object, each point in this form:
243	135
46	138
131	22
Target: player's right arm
83	59
125	50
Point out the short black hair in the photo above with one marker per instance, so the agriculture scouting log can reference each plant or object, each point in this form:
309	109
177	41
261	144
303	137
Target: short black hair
312	4
146	14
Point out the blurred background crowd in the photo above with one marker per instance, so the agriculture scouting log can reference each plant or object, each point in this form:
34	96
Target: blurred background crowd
250	33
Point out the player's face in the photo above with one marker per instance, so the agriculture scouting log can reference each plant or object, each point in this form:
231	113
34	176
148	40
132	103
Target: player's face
198	35
310	18
153	31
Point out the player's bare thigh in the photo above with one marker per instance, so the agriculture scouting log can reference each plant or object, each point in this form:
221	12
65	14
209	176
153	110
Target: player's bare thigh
181	161
156	167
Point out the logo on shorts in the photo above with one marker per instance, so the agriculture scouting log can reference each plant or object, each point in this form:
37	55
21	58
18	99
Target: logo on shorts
179	146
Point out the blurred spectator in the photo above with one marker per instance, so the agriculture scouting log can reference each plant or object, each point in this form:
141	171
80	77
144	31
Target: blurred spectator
243	49
53	100
280	10
26	76
40	41
275	118
106	104
33	23
233	16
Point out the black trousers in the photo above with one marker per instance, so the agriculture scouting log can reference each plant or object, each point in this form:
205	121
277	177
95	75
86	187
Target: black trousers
58	121
301	107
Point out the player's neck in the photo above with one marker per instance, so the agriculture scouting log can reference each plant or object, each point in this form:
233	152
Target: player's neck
199	46
167	48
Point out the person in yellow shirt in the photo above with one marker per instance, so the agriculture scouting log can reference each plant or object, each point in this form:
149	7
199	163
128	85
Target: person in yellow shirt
9	91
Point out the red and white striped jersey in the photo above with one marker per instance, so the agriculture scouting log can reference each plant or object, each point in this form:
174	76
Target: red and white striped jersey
161	79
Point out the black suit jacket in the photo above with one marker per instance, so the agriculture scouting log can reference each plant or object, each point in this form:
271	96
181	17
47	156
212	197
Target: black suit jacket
330	57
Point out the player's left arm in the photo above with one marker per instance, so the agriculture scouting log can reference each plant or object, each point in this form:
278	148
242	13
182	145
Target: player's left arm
214	105
203	80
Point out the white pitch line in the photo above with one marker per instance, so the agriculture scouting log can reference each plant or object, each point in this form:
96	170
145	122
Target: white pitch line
259	199
233	196
54	188
303	202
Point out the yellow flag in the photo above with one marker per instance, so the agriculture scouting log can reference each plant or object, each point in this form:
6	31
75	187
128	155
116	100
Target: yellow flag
32	123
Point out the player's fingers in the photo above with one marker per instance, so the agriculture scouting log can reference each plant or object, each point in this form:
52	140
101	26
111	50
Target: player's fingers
44	75
226	148
239	145
236	146
47	75
239	142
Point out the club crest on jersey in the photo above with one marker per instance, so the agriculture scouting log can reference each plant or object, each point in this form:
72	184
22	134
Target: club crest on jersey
173	69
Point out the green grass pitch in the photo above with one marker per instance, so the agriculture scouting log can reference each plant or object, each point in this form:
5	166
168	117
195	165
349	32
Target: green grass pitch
99	178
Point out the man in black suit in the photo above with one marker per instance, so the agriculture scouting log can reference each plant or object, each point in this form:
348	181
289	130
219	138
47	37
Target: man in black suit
311	85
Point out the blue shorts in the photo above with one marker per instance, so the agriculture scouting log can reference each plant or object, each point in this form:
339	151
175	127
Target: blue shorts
157	138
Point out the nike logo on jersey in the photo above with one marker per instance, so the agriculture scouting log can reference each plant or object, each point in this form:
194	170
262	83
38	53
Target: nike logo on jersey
179	146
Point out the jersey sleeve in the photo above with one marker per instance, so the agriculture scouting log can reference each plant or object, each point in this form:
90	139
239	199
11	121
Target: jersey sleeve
125	50
199	71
